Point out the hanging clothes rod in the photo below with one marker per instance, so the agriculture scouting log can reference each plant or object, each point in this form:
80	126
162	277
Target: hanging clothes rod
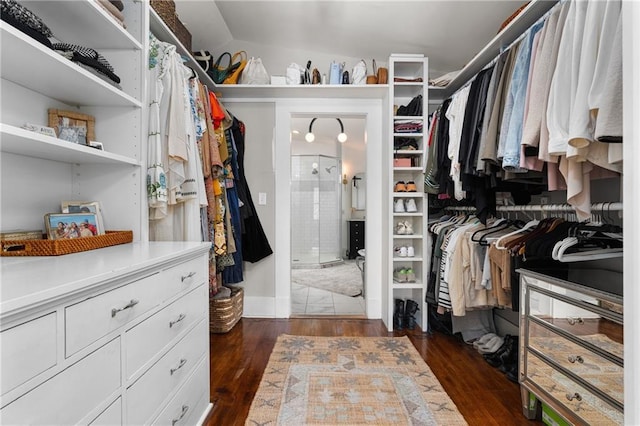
595	208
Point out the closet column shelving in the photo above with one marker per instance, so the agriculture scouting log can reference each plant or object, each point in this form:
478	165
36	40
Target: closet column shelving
408	251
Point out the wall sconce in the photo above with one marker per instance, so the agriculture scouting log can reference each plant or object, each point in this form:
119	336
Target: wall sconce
310	137
344	179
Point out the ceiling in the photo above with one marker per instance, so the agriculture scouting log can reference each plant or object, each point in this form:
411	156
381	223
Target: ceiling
449	32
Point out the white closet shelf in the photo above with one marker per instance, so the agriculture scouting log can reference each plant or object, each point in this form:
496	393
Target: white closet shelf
24	142
408	117
407	237
409	169
408	259
408	194
43	70
262	91
163	33
398	286
407	214
99	30
409	151
408	135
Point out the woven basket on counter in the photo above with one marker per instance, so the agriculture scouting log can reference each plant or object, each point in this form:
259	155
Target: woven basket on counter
225	313
166	9
66	246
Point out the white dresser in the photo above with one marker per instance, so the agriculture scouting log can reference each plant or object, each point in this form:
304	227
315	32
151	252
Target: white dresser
571	346
112	336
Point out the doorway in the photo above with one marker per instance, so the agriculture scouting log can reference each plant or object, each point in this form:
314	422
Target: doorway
369	111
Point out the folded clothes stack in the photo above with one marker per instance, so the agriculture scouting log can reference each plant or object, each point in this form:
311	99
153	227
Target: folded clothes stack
25	20
114	8
407	126
444	80
87	57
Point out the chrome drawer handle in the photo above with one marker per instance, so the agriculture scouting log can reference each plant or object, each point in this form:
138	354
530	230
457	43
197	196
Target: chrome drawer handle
177	320
574	321
573	358
185	408
131	304
186	277
574	396
180	365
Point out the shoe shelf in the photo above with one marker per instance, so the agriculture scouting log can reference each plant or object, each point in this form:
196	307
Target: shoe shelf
406	165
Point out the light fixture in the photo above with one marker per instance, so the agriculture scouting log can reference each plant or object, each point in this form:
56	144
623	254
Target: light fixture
310	137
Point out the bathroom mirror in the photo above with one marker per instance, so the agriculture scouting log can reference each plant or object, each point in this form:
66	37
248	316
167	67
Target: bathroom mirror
358	191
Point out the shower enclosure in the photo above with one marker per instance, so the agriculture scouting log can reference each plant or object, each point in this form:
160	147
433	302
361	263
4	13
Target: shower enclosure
315	211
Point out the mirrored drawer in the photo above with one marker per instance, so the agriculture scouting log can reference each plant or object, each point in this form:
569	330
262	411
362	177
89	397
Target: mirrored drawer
575	320
584	404
590	367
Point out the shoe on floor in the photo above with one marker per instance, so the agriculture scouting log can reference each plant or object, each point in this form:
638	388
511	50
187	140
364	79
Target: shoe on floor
491	346
483	340
410	205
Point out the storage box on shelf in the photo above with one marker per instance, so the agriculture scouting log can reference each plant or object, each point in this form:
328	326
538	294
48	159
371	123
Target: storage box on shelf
408	205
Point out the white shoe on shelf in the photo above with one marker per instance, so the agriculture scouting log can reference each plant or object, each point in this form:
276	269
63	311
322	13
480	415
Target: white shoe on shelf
408	228
398	206
401	229
400	251
410	251
410	205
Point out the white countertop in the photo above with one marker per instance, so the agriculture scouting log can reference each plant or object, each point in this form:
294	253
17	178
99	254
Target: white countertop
31	280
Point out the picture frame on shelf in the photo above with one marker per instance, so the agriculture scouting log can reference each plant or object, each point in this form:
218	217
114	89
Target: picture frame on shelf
73	126
84	207
61	226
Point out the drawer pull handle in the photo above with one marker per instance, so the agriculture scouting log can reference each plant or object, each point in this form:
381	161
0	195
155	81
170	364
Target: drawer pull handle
180	365
186	277
575	396
177	320
185	408
574	321
574	358
131	304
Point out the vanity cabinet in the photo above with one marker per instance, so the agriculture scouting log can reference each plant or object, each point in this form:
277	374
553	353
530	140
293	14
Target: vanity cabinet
571	348
356	237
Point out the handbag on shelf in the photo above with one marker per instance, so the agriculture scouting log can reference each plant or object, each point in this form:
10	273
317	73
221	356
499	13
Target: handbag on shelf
255	73
239	62
218	72
359	73
373	78
204	59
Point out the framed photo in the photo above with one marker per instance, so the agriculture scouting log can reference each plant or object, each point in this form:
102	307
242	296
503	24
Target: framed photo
84	207
71	225
73	126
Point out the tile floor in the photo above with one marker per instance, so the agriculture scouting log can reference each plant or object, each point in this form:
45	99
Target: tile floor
314	301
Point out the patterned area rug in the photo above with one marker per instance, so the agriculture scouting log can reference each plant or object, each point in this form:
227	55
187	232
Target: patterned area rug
344	279
350	381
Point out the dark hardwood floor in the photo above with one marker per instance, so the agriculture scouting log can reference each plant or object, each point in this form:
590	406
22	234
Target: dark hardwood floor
482	393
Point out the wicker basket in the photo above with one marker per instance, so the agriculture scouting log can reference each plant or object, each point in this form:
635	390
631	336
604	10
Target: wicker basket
166	9
225	313
59	247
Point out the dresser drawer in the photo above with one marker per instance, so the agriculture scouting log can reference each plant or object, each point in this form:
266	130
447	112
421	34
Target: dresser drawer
111	416
584	404
187	275
145	339
191	400
91	319
147	393
69	396
590	367
28	349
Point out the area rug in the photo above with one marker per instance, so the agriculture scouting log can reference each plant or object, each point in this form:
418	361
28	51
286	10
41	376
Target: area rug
344	279
349	381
